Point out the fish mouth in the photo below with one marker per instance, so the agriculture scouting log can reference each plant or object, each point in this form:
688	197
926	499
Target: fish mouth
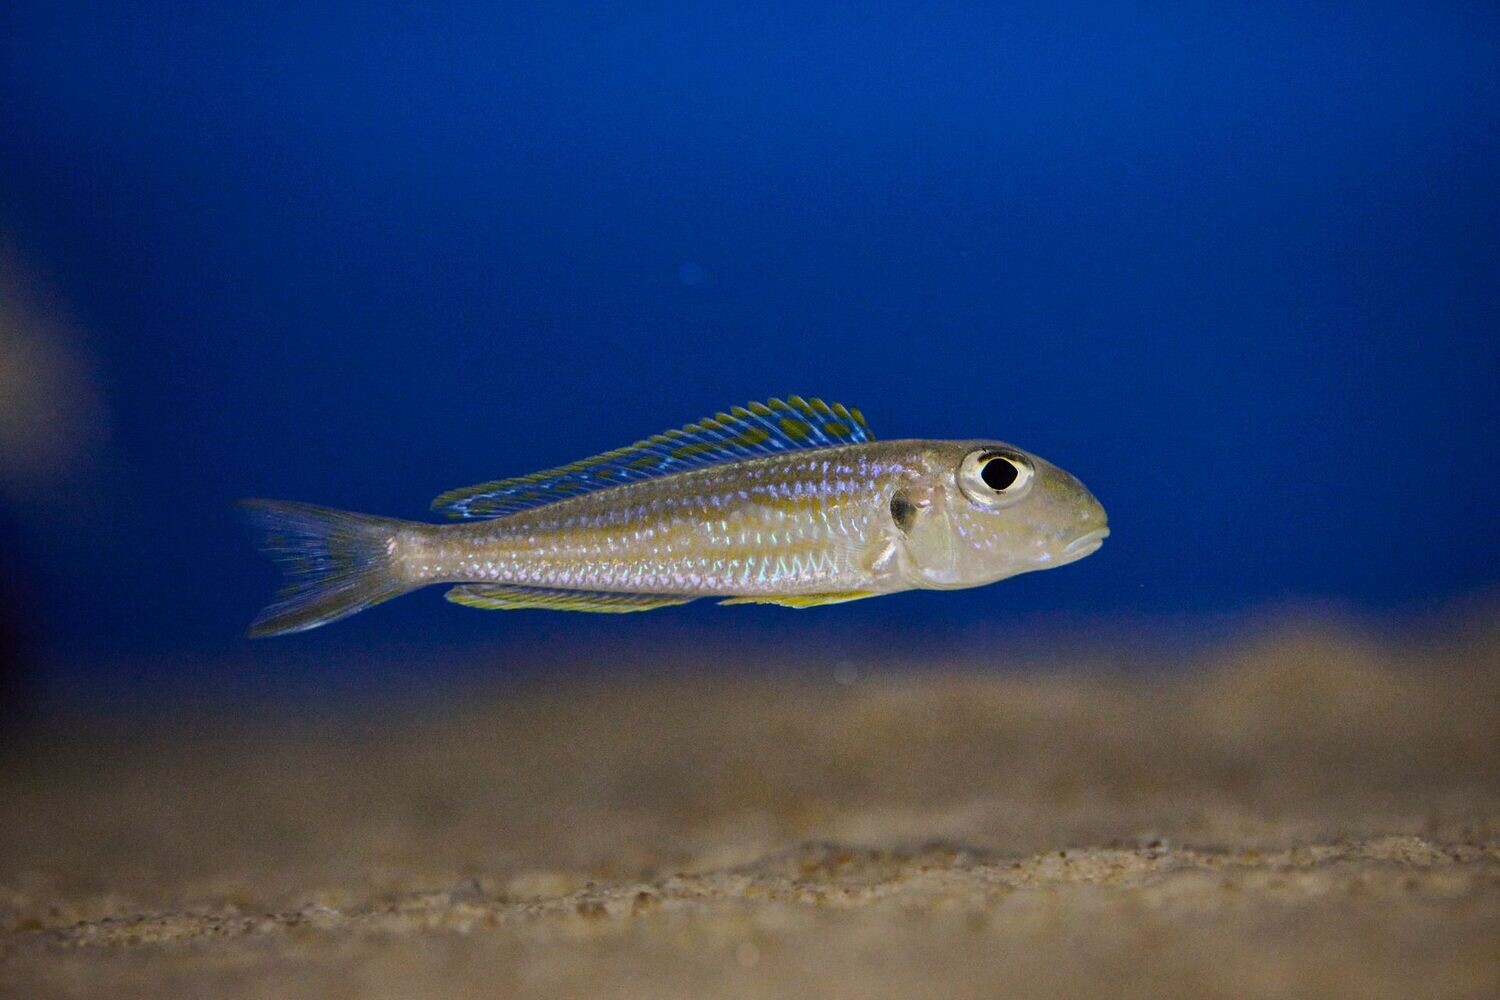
1085	544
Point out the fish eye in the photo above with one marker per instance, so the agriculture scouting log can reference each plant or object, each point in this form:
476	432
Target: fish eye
998	473
993	478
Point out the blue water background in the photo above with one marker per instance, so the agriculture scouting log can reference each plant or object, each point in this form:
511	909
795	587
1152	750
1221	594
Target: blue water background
1234	265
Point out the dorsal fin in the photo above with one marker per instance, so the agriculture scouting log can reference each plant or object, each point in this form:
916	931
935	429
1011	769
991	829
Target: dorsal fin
744	432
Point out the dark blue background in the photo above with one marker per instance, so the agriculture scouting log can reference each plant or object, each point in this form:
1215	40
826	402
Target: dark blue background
1233	265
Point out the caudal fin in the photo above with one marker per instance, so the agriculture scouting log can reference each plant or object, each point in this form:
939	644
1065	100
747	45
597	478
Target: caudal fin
335	563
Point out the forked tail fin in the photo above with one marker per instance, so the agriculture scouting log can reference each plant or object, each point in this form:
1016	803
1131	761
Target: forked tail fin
335	563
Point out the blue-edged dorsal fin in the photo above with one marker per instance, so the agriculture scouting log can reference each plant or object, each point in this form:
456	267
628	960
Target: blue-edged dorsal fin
507	597
744	432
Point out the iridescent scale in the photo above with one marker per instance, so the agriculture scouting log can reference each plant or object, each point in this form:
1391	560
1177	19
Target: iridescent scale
801	522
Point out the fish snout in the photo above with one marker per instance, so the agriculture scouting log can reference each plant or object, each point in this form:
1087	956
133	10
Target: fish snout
1085	544
1090	530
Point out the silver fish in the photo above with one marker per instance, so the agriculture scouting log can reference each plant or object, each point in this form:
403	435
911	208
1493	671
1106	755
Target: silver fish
790	502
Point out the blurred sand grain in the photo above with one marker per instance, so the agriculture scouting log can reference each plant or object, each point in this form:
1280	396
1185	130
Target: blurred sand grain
1314	813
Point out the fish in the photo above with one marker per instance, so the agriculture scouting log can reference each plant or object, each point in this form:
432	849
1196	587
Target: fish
791	502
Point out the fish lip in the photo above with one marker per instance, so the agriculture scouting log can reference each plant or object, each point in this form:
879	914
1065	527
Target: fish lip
1085	544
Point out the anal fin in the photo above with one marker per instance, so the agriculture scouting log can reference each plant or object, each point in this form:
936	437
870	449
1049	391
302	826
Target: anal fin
506	597
803	600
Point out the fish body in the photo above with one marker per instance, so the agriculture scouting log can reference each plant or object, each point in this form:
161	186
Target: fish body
739	507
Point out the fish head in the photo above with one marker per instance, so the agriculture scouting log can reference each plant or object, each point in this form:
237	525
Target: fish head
986	510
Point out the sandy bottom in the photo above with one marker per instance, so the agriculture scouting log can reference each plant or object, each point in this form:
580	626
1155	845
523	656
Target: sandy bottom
1311	813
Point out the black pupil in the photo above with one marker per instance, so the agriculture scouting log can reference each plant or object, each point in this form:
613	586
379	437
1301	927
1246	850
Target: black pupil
998	473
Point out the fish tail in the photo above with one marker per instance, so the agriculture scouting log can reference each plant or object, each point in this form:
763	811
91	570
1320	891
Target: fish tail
335	563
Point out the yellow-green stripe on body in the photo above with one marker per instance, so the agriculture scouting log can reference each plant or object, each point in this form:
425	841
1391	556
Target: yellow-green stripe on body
797	523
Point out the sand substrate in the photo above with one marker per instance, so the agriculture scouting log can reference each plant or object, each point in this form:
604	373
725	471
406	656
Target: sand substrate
1308	813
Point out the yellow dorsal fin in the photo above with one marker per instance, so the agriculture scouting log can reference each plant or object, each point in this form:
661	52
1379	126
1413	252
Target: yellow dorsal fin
744	432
